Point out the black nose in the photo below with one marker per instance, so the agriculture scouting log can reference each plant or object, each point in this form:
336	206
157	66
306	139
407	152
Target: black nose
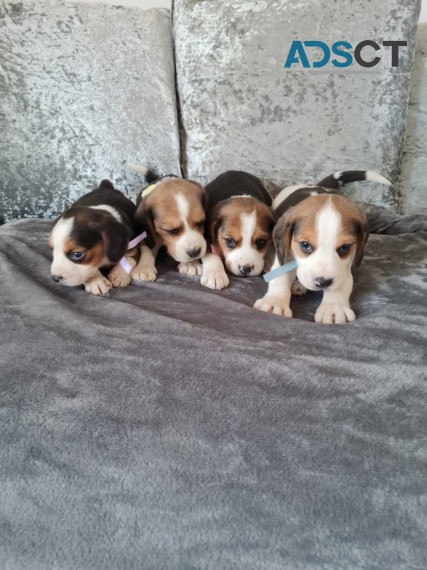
194	253
57	278
322	282
245	269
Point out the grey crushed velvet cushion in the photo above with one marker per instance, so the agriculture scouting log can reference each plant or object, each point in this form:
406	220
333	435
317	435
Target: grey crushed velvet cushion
84	90
242	109
412	181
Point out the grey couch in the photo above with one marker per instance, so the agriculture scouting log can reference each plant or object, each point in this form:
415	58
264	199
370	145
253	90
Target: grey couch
169	426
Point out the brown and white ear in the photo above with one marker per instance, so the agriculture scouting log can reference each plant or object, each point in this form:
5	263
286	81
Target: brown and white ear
144	218
282	235
215	224
362	232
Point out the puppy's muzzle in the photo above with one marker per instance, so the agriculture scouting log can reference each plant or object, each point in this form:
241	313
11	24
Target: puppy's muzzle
322	282
57	278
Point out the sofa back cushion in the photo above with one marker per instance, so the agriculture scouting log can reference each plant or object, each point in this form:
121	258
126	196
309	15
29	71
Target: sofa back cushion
84	90
242	109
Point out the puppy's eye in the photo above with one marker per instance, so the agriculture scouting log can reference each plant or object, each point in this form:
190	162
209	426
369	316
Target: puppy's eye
76	255
260	243
173	231
345	248
200	224
306	247
230	243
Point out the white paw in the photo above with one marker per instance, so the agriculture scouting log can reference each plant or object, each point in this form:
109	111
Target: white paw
297	289
276	305
98	286
333	313
215	280
119	277
193	268
148	273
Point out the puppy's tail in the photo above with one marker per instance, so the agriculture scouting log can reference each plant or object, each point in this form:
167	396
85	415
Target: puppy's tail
148	174
338	179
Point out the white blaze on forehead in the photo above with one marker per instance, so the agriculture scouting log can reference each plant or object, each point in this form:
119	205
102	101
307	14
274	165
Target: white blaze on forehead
61	232
108	209
247	227
183	208
328	224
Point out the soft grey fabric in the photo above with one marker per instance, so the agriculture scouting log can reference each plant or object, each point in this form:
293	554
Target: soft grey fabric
169	426
241	109
412	182
84	90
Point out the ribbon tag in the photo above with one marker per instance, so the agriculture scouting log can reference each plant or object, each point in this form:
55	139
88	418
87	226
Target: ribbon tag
124	262
289	266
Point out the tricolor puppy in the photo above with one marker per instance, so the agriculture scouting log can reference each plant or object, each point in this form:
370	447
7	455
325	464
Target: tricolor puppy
172	212
92	234
326	234
240	223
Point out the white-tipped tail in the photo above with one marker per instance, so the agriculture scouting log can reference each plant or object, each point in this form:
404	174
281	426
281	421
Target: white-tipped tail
138	169
375	177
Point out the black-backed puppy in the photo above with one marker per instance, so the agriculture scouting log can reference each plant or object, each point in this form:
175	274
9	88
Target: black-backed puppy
325	234
93	233
239	226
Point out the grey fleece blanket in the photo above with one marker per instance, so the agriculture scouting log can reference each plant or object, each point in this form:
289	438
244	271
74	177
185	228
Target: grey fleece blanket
169	426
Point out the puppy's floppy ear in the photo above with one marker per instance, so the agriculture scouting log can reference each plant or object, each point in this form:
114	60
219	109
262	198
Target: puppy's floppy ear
215	224
144	218
362	232
282	235
116	240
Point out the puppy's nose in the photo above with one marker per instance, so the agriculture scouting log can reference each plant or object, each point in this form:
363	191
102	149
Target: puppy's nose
245	269
322	282
57	278
192	253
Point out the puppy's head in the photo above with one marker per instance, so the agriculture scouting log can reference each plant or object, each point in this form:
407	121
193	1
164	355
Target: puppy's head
242	229
326	235
174	216
83	240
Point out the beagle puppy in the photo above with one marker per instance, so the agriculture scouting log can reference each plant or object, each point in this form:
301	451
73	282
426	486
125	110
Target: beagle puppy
172	212
93	233
240	223
325	234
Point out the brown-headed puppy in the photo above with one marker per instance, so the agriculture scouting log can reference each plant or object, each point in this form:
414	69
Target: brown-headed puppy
325	234
172	212
240	222
92	234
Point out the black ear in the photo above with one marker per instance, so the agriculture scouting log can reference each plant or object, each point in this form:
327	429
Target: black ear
362	232
116	239
106	185
282	236
144	217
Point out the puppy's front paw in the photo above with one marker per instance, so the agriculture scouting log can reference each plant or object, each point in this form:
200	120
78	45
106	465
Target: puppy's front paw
119	277
98	286
297	289
193	268
148	273
333	313
276	305
215	280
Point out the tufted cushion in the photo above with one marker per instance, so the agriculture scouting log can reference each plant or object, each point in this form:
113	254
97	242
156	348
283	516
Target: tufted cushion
242	109
84	89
